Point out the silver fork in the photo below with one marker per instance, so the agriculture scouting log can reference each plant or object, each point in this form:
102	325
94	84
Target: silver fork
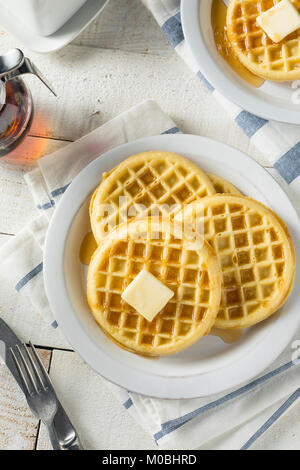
42	399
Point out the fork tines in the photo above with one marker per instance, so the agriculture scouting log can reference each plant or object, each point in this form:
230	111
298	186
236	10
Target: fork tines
31	370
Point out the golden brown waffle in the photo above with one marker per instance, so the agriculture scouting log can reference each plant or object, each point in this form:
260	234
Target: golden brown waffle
187	266
255	252
265	58
162	180
223	186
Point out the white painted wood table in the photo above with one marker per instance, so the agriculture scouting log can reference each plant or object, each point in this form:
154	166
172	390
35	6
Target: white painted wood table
121	59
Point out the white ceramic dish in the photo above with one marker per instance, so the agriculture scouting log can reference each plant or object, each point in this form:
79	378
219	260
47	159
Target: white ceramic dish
43	17
271	101
210	365
38	43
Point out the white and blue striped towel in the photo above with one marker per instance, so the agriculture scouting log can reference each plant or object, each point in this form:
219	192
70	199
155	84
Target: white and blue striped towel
279	142
232	420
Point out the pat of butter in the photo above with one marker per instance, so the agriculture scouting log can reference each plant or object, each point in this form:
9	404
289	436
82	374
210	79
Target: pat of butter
280	21
147	295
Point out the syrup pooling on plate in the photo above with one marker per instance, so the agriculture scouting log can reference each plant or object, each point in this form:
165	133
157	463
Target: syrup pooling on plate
218	19
228	336
87	248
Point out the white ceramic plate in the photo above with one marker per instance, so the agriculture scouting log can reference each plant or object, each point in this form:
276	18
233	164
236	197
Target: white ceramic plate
60	38
210	365
271	101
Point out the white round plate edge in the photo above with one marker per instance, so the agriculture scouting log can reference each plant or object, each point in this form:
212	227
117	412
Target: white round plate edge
162	387
251	103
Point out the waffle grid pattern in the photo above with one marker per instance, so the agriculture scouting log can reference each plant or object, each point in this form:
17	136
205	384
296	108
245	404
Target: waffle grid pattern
254	47
223	186
178	268
251	254
161	186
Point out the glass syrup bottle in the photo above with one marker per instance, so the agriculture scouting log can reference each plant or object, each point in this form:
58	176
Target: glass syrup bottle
16	112
16	105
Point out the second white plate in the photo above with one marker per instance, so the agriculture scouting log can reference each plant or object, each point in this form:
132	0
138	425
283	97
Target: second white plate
209	366
274	101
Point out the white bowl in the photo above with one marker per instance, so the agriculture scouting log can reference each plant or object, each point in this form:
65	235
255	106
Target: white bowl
43	17
207	367
272	100
64	35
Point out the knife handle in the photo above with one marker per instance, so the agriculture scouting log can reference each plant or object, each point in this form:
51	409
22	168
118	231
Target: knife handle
62	433
53	438
74	445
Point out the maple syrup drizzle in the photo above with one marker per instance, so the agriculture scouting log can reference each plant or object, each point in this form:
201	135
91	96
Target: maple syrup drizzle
218	20
87	249
228	336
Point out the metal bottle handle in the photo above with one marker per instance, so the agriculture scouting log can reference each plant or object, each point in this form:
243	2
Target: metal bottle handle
14	63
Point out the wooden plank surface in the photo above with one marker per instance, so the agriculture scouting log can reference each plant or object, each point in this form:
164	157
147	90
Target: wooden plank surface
18	427
128	26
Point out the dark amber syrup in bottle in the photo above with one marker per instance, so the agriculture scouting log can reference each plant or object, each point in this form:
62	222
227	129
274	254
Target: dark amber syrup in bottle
16	110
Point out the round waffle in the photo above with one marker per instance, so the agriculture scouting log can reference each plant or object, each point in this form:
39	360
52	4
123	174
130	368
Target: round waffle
223	186
265	58
187	266
146	184
255	252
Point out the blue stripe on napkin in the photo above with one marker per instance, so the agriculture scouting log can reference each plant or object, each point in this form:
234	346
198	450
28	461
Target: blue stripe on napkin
128	403
173	30
174	424
173	130
46	206
289	164
28	277
286	405
249	123
54	193
59	191
205	82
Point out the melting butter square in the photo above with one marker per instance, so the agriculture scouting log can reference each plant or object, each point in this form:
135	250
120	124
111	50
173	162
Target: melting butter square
147	295
280	21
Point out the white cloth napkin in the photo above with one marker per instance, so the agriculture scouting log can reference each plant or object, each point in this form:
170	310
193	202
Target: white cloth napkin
279	142
228	420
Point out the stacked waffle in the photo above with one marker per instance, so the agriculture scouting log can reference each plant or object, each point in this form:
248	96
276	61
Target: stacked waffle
228	259
278	61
